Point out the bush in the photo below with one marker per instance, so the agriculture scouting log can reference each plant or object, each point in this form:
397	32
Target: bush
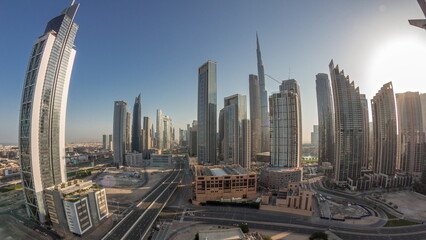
319	236
266	237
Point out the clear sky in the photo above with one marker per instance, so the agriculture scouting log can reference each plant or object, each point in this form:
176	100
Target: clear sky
155	48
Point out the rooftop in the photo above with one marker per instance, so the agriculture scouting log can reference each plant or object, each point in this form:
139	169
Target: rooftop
220	170
220	234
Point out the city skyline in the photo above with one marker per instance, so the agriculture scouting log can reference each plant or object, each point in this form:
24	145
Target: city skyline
279	57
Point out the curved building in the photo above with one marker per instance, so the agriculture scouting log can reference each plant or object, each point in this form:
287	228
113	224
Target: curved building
43	110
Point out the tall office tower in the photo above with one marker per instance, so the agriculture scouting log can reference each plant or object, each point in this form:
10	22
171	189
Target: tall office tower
265	138
348	126
160	129
137	125
233	132
128	143
314	136
43	110
411	135
147	133
104	141
286	125
207	113
365	129
384	130
246	144
110	142
255	116
325	119
119	132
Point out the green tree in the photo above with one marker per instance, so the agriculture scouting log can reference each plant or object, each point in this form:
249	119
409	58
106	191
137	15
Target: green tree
244	228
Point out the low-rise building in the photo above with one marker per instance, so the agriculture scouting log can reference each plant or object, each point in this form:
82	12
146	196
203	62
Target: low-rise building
159	160
224	182
134	159
274	178
76	206
295	199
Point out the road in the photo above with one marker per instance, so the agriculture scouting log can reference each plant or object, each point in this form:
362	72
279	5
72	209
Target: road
138	221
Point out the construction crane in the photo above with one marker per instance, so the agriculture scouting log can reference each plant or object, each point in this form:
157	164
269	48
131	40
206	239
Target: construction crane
272	78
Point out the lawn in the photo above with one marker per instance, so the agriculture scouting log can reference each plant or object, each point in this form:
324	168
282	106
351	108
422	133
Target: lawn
10	188
399	223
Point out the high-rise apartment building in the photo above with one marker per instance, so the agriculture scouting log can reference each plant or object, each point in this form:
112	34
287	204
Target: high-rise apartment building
255	116
193	143
265	138
120	132
207	114
384	131
43	111
286	125
137	125
365	164
325	119
233	131
410	133
349	126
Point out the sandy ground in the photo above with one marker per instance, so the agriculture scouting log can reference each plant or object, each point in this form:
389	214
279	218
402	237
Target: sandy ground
10	228
409	203
124	190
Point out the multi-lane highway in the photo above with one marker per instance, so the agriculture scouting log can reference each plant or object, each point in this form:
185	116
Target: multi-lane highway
137	223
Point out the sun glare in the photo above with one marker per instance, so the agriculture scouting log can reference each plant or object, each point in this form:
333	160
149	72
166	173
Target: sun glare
402	61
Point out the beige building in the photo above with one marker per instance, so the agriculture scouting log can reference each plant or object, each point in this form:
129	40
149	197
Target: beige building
294	199
278	177
215	183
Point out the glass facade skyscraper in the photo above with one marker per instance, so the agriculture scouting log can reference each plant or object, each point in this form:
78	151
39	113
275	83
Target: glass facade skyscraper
384	131
137	125
120	132
207	113
325	119
263	100
255	116
349	129
43	110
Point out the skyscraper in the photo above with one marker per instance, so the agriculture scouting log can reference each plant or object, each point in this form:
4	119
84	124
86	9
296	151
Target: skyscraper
384	131
128	143
314	136
325	119
207	113
263	101
147	132
43	110
286	125
110	142
104	141
160	128
234	131
119	132
410	131
255	116
137	125
348	123
365	129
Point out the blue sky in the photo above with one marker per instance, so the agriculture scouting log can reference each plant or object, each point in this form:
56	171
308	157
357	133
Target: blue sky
155	48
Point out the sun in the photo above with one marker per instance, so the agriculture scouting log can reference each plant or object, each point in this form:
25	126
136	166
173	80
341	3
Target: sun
400	60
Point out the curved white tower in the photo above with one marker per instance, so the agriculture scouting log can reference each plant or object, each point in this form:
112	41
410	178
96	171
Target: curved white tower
43	110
